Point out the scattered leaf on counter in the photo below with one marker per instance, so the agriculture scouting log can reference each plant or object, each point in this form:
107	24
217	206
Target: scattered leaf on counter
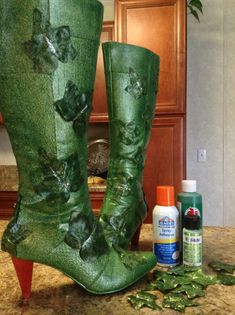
226	279
221	266
180	270
177	302
192	290
142	299
202	278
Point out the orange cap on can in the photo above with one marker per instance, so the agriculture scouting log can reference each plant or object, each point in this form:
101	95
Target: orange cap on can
165	196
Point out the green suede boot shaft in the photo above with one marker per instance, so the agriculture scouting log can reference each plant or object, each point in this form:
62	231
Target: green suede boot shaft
131	83
48	53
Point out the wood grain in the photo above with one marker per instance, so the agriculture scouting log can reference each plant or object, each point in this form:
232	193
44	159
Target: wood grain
158	25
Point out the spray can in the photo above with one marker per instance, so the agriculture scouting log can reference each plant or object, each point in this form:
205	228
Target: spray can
166	227
192	240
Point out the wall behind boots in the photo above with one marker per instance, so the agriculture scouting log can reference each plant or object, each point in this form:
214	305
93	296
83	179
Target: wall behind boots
210	108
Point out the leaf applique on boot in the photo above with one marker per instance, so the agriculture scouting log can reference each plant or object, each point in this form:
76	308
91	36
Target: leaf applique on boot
85	234
60	177
75	106
15	232
49	44
129	133
137	86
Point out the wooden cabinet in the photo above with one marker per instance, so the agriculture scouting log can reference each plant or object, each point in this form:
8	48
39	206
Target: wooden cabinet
158	25
165	158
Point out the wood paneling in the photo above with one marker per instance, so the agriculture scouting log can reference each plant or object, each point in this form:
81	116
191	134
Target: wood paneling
7	201
158	25
99	113
165	158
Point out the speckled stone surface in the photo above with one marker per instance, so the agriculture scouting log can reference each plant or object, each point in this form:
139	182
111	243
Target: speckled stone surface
54	293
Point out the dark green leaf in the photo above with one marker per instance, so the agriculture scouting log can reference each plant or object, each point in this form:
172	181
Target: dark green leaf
13	235
128	132
80	229
86	234
226	279
180	270
194	13
74	103
48	44
137	87
60	177
202	278
197	4
192	290
142	299
95	245
177	302
221	266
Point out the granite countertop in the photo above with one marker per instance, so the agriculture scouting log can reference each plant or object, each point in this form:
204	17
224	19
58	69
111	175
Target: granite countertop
54	293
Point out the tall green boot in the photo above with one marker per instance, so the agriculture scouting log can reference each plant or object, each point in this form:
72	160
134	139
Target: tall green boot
48	53
131	81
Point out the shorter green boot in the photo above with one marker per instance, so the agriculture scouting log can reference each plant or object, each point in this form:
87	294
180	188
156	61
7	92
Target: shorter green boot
131	83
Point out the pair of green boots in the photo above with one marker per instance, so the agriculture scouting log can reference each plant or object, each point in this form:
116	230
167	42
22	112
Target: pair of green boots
48	54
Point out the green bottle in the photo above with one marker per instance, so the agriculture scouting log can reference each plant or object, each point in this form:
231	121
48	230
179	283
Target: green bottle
189	202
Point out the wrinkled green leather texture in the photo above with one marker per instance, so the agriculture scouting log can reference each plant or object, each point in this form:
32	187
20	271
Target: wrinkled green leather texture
48	53
131	83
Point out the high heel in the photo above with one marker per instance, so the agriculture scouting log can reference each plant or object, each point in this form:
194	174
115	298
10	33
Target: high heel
24	271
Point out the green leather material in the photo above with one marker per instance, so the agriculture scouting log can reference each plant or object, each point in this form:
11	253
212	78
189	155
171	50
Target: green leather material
131	83
48	59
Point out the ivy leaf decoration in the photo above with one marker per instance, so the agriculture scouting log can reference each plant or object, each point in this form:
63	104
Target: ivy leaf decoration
142	299
221	266
15	232
80	228
60	177
137	86
85	234
192	290
202	278
121	185
226	279
177	302
74	103
128	132
75	106
48	45
165	282
96	245
180	270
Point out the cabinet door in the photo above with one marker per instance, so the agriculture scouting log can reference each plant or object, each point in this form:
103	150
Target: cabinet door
99	113
165	163
158	25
